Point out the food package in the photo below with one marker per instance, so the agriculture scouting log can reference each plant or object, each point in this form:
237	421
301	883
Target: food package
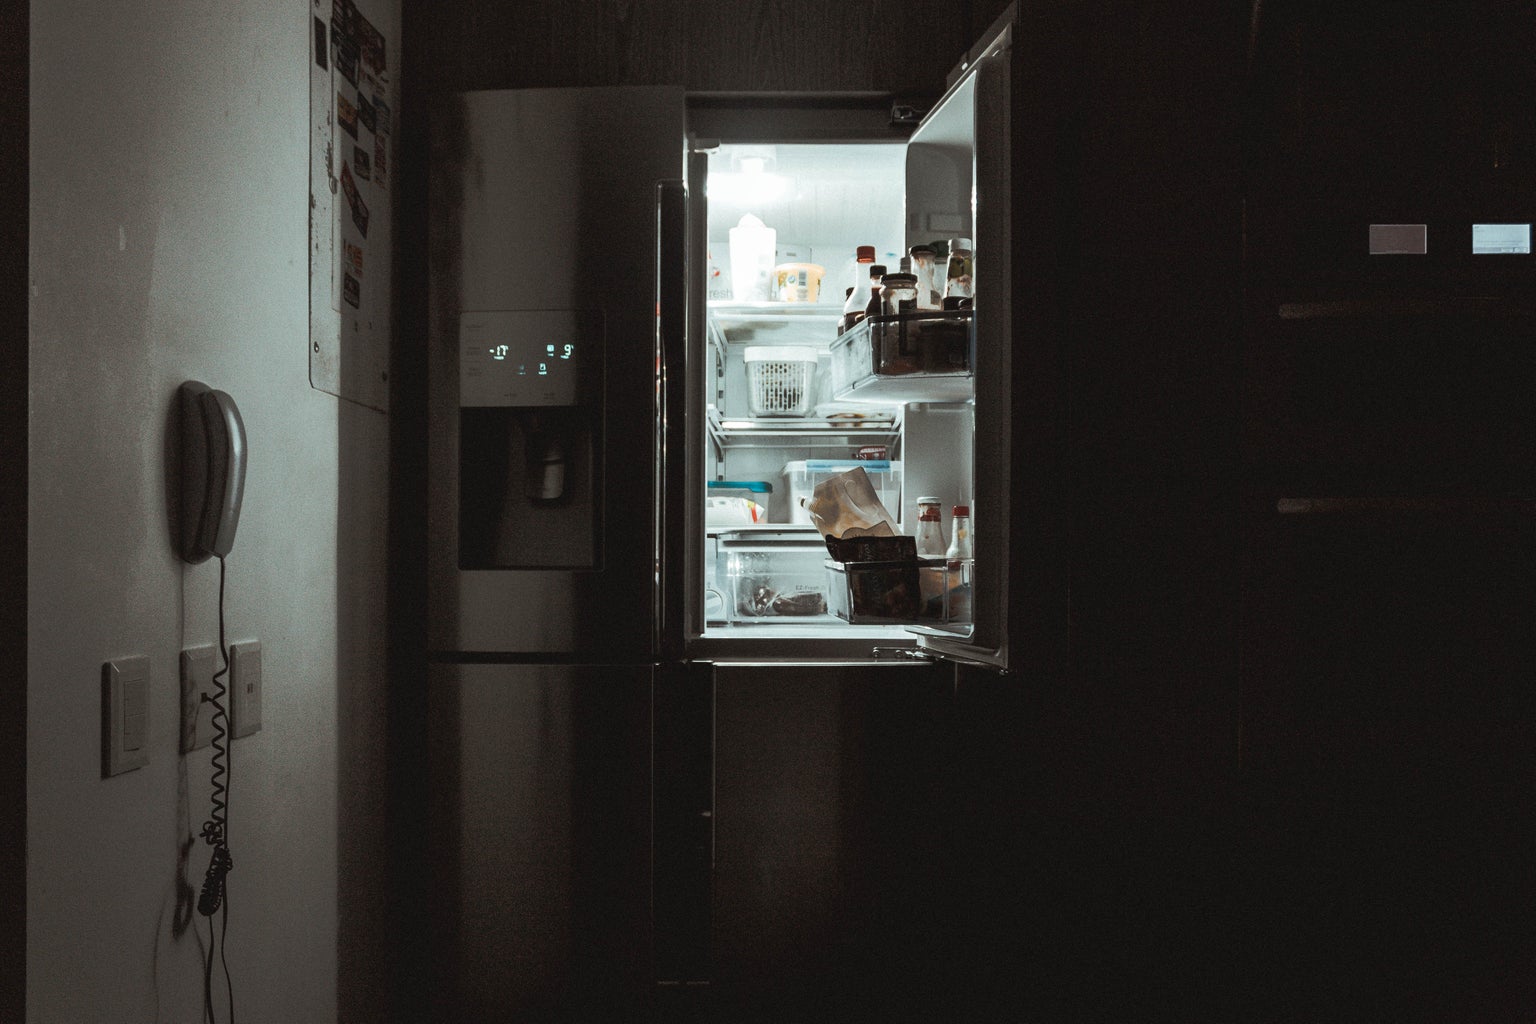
846	506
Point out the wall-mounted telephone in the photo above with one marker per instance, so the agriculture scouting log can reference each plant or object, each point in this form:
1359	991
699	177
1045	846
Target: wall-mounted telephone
212	471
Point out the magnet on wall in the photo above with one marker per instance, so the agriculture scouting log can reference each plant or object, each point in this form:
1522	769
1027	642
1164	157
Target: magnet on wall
354	257
346	58
365	113
354	200
321	48
372	42
361	161
381	114
346	114
351	290
379	160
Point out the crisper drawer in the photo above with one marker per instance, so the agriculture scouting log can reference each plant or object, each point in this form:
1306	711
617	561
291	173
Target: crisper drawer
773	576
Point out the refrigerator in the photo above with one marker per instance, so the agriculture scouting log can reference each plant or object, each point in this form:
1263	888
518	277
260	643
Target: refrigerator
616	536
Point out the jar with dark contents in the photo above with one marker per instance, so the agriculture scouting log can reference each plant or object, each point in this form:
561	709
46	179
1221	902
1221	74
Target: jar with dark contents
898	334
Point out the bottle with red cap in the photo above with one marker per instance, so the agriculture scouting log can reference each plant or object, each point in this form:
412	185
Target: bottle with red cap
959	561
858	299
961	556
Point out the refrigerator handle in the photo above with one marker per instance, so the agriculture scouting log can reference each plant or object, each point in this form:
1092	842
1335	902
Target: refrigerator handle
671	414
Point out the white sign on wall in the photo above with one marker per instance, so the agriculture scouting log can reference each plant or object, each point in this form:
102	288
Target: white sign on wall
352	101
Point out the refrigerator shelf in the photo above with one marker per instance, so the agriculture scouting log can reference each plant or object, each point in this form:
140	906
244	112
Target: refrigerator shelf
735	429
911	357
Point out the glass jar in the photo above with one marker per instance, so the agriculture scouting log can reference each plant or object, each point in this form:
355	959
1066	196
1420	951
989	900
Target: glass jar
924	259
897	334
898	294
958	282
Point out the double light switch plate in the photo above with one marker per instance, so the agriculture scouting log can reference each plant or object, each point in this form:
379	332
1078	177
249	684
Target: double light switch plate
124	715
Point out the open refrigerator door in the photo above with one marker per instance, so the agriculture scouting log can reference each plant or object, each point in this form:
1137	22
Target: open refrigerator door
796	392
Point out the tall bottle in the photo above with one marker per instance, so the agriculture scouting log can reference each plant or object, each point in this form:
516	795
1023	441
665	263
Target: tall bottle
958	282
858	298
930	529
959	562
961	555
876	283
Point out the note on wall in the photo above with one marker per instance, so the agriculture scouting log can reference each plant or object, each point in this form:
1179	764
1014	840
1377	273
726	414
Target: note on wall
354	65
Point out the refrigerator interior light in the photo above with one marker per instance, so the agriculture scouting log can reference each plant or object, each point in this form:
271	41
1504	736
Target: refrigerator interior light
751	180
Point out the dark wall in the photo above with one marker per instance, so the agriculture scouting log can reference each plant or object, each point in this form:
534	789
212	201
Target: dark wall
13	506
801	45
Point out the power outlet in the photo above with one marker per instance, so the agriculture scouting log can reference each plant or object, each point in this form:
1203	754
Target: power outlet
197	667
245	687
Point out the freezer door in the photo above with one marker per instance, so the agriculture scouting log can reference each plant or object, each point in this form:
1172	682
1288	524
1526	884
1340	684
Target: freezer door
538	872
542	394
960	182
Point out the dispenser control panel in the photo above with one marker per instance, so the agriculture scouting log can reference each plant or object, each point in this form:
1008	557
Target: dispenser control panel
526	358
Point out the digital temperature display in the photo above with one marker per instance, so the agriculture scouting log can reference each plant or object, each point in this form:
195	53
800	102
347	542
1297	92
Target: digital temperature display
520	358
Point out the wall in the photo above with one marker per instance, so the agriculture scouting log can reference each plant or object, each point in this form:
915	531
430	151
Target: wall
168	240
13	504
801	45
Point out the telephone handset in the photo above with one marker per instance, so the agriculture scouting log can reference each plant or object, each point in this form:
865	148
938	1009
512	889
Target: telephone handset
212	471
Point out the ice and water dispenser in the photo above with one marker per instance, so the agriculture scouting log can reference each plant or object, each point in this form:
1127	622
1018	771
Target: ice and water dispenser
530	428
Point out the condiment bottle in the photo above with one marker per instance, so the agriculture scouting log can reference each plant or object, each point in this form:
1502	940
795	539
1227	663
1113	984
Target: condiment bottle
929	294
961	556
898	294
930	529
876	279
958	282
858	295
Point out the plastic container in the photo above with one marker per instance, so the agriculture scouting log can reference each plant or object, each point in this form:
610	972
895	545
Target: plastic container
797	282
781	381
801	478
767	577
758	492
889	592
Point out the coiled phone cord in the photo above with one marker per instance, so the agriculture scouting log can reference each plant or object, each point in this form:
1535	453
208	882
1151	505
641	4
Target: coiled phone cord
215	834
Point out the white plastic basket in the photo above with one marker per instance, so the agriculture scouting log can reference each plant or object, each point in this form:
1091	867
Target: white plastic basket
781	381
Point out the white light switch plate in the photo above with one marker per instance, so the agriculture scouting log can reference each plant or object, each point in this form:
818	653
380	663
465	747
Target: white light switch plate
197	668
124	715
245	687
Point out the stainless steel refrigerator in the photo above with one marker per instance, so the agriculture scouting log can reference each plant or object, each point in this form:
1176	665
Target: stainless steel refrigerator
589	598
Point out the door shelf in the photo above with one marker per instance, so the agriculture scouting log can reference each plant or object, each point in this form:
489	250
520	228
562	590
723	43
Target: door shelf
910	357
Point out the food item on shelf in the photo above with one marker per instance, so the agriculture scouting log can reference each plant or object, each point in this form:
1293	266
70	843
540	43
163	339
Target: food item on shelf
809	603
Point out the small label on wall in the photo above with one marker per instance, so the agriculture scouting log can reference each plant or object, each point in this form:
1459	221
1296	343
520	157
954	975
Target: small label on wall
1489	239
1398	239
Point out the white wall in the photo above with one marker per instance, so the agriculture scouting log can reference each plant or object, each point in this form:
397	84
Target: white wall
168	242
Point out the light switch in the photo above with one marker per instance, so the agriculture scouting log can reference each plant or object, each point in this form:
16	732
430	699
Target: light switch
197	667
245	687
124	715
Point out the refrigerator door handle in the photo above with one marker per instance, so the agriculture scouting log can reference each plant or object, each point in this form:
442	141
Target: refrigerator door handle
671	414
